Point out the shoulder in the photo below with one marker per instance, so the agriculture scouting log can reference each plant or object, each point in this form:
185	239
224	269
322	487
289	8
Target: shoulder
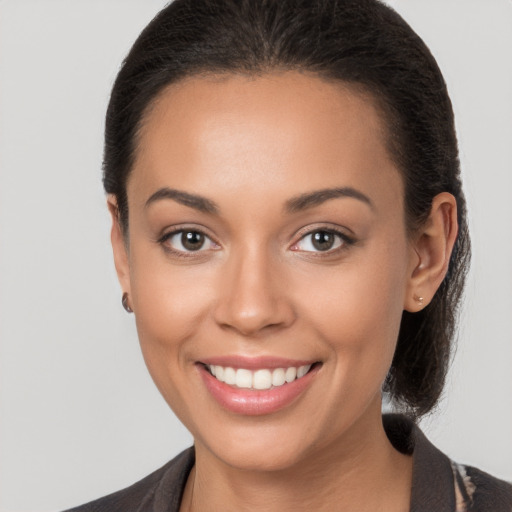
478	491
162	489
439	483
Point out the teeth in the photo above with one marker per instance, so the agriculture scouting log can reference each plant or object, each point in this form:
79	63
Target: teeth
243	378
259	379
262	379
219	372
290	374
229	376
278	377
302	371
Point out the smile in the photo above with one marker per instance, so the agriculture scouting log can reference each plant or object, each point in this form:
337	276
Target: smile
260	379
257	386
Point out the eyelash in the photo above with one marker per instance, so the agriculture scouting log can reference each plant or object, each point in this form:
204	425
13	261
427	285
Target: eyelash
345	241
184	253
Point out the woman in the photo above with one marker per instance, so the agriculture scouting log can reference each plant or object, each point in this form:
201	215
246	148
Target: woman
290	231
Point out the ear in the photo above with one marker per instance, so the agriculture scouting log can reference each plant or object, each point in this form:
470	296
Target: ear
432	247
119	246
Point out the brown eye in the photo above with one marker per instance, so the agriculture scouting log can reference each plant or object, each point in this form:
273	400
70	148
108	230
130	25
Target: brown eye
192	240
321	240
186	241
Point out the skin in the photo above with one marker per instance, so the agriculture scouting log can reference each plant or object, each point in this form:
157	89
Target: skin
250	145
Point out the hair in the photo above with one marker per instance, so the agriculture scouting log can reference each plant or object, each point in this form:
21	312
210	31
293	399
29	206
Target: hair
362	43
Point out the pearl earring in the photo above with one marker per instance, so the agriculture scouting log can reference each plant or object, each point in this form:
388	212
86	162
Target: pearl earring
419	300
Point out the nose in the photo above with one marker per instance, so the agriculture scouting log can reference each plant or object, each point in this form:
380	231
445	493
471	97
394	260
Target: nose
253	297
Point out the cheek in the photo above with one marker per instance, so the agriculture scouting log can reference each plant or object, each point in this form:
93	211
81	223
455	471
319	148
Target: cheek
170	301
356	309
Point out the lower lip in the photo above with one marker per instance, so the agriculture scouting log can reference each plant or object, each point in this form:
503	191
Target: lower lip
255	402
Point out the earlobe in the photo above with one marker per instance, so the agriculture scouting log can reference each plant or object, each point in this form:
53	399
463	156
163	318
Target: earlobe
120	251
432	249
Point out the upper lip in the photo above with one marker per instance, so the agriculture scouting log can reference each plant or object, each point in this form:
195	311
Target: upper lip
255	363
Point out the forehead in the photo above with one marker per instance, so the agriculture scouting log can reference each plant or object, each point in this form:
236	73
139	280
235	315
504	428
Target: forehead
282	130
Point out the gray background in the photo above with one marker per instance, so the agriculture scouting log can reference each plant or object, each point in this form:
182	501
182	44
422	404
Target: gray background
79	415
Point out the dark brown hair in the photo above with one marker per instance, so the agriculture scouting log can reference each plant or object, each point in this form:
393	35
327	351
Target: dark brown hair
359	42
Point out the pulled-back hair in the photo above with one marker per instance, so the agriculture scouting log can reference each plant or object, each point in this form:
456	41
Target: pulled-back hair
362	43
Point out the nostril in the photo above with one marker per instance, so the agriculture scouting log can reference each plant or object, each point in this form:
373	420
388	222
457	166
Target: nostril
252	298
251	322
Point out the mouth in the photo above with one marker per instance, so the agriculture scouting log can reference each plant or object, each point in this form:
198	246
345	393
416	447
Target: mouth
260	379
265	387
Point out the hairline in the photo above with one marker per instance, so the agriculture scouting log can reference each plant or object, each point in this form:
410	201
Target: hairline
367	92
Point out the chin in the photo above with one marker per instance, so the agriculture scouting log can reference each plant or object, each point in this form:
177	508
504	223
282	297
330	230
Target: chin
260	455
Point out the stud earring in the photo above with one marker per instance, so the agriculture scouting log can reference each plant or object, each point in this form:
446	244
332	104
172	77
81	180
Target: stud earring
419	300
124	302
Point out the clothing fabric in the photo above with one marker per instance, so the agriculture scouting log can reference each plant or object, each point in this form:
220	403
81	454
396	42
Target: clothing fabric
438	484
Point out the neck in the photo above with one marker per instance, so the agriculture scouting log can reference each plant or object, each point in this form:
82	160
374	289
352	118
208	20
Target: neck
361	471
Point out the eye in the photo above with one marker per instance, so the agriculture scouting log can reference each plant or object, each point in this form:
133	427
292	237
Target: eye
321	240
187	240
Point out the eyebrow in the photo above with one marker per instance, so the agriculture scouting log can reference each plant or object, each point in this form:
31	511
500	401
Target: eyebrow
310	199
197	202
293	205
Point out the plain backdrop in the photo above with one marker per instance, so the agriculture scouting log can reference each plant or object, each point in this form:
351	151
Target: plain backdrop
79	415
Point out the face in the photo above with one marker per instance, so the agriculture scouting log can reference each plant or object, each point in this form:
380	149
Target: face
267	263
